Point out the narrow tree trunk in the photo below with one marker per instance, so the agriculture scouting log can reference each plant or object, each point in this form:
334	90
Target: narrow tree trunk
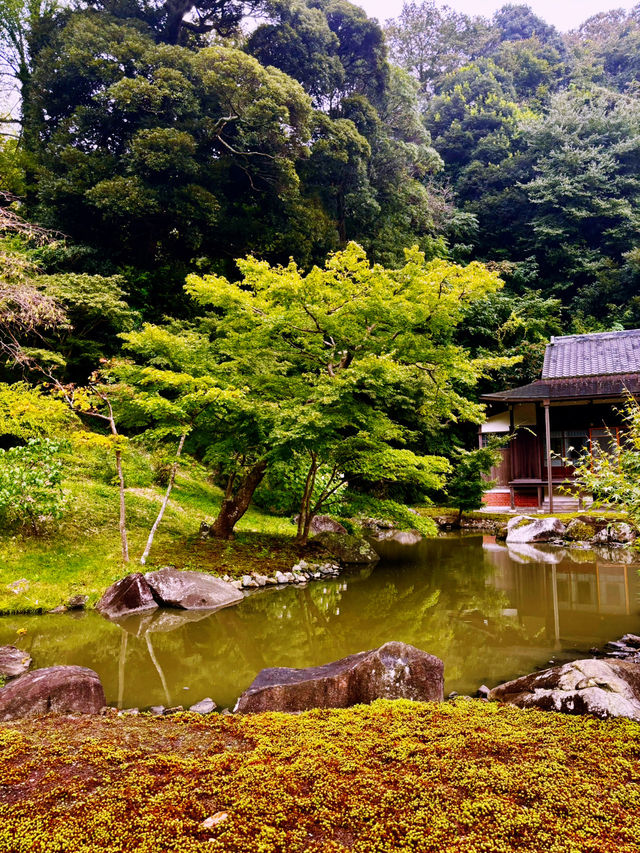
306	516
165	500
234	507
123	517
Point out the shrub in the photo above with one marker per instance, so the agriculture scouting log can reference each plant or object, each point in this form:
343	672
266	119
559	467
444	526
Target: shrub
30	484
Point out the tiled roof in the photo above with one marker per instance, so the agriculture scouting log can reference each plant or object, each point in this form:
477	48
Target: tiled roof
599	354
571	388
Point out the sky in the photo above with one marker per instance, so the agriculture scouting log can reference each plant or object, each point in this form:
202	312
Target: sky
563	14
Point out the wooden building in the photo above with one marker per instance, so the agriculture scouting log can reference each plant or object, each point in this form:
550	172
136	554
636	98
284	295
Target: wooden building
574	406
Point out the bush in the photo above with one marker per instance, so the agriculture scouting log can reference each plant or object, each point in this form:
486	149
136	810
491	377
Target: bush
30	484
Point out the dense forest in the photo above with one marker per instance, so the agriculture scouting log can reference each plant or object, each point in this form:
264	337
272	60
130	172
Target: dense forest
154	141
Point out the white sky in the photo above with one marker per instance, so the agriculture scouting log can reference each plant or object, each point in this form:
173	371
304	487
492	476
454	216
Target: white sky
563	14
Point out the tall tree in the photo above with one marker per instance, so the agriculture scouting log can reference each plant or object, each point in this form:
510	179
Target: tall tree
365	357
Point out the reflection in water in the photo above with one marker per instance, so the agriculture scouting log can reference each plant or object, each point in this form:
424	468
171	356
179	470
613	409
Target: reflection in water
490	612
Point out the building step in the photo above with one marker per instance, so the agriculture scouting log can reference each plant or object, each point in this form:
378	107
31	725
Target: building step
565	504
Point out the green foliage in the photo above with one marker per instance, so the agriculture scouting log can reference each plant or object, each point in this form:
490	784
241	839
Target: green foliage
351	366
27	412
610	469
356	505
30	484
469	482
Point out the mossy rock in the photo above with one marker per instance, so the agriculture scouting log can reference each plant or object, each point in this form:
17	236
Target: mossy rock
579	531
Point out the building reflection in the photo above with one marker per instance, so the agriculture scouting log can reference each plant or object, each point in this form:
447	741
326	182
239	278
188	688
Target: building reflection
575	595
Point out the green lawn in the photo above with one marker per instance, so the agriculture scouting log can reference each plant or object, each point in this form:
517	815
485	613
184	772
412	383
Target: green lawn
82	555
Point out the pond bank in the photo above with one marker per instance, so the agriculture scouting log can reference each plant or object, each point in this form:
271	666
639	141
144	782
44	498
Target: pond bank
462	777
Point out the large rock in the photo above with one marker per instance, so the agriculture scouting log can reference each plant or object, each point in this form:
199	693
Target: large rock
348	549
400	537
604	688
524	528
579	531
191	590
394	671
125	597
622	532
57	689
324	524
13	661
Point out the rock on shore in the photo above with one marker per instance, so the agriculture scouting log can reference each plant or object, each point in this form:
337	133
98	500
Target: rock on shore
57	689
168	587
604	688
393	671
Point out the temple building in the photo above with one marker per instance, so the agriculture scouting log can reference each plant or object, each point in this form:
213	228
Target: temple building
574	406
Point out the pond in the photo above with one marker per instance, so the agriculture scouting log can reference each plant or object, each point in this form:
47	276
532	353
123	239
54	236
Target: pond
490	612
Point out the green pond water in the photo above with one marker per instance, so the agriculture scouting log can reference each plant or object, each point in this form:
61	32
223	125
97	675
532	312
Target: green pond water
490	612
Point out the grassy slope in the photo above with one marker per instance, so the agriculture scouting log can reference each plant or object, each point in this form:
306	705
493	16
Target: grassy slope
395	776
83	554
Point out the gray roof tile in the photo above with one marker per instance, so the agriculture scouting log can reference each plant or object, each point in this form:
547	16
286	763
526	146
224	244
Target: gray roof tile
599	354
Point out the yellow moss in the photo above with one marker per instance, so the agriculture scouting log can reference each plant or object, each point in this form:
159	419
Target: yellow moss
394	776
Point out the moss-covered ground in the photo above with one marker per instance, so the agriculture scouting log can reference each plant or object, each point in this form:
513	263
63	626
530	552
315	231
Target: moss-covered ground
466	777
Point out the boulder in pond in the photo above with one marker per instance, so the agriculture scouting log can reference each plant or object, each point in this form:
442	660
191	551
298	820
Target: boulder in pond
347	548
191	590
579	531
125	597
394	671
13	661
400	537
524	528
56	689
603	688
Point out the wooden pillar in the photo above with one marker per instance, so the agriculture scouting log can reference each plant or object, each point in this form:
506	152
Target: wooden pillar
547	430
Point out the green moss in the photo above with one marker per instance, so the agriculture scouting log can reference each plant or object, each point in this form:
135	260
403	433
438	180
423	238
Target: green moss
394	776
578	531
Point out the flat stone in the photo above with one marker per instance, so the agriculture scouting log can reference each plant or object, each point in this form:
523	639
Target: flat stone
191	590
56	689
394	671
204	706
603	688
248	582
130	595
13	661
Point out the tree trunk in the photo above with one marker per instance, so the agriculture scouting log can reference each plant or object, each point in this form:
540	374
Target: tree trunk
165	500
123	517
306	515
234	507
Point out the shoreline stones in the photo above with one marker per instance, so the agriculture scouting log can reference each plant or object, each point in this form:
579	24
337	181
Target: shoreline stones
393	671
300	574
56	689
